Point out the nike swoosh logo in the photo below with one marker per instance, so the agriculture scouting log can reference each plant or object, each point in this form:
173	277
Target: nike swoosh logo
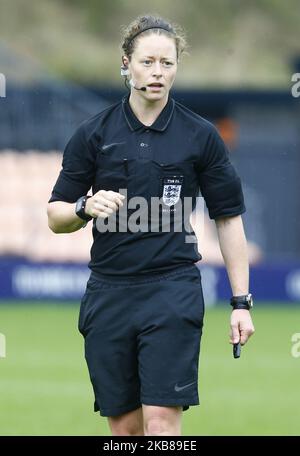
179	388
108	146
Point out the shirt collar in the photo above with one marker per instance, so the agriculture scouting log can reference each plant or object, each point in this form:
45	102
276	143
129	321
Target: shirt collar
160	123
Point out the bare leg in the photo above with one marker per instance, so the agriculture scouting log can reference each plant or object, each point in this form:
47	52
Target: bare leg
130	423
162	420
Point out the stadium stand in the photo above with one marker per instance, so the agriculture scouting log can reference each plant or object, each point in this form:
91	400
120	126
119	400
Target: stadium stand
26	183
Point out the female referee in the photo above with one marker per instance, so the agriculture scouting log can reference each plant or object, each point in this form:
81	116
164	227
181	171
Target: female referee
142	312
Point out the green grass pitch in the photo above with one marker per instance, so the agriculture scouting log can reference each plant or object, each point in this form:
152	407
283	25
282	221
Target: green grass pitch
45	388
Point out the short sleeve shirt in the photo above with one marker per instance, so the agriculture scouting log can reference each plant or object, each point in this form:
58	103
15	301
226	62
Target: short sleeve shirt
180	157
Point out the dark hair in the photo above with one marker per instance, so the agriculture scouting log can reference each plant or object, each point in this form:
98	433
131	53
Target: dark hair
145	25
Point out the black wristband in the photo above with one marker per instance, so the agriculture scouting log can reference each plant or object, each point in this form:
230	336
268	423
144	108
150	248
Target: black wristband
240	306
80	208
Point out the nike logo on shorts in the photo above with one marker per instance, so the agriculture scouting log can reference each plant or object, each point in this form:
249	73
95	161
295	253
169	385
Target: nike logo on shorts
179	388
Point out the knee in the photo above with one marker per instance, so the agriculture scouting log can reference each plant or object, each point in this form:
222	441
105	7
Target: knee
127	424
163	421
125	431
157	425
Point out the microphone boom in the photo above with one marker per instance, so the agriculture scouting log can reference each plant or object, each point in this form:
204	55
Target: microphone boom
137	88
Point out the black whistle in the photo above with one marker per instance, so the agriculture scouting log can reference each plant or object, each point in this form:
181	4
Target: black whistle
236	350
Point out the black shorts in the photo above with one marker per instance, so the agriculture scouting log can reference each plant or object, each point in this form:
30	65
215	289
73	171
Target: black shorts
142	339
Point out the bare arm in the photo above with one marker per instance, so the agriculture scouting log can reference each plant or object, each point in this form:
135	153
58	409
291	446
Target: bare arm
234	249
63	219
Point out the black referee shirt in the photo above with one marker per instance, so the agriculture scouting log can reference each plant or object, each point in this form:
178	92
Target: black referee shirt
178	155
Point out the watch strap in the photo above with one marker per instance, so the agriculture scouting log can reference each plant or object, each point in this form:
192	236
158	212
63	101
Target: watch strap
242	302
80	208
241	306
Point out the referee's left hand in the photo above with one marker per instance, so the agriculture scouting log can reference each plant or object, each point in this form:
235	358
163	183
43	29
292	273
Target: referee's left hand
241	326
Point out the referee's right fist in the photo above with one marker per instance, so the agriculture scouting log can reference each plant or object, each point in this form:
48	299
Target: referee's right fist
104	203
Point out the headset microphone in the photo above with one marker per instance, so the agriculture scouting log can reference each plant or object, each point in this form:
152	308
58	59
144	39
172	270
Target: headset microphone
125	73
137	88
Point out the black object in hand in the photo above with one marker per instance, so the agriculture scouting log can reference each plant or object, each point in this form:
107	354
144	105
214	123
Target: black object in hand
236	350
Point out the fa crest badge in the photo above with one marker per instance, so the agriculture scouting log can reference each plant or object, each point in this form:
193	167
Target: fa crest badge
171	189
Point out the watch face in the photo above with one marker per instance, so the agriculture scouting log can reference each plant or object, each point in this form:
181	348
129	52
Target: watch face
250	300
78	205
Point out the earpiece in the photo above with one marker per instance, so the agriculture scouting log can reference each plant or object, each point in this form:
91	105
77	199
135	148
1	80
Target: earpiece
124	70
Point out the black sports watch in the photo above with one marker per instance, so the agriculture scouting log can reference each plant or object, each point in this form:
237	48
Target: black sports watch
80	208
242	302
